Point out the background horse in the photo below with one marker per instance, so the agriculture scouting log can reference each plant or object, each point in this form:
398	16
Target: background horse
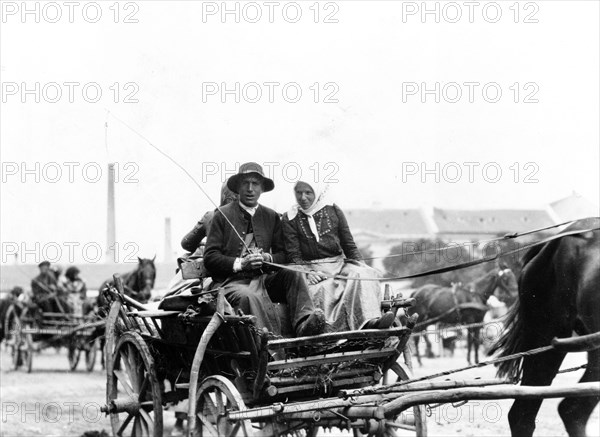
138	284
559	290
461	305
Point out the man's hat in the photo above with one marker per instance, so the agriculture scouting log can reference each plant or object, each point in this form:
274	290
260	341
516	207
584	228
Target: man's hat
249	168
44	263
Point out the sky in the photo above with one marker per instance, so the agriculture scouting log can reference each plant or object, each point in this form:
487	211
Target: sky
493	105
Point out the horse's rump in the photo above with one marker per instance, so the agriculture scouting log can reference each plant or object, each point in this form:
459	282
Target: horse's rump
550	285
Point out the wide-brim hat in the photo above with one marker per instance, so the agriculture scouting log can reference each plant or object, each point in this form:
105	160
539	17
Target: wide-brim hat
249	168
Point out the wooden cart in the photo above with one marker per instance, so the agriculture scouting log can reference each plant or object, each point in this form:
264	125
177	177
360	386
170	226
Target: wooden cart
239	380
30	330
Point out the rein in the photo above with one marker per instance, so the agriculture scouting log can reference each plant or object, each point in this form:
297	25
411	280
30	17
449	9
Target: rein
443	269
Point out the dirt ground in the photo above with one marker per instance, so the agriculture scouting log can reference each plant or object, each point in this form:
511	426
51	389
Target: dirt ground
53	401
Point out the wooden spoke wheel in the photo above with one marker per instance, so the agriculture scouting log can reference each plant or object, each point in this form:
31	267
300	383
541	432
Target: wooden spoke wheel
13	336
74	352
406	423
216	396
117	323
90	354
133	391
27	350
385	428
19	342
10	320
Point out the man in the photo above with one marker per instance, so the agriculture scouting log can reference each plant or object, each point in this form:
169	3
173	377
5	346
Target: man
245	234
46	292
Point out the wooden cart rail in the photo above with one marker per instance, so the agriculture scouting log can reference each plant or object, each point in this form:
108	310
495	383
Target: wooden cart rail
582	389
323	404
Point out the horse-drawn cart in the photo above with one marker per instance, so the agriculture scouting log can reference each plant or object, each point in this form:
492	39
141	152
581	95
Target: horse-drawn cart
30	330
238	380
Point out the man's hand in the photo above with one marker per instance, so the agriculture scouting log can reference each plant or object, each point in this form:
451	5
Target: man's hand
314	278
252	261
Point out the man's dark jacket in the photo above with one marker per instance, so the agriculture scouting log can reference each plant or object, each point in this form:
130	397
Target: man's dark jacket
223	246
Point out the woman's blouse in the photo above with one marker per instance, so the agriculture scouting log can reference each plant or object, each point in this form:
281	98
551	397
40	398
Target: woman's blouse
334	236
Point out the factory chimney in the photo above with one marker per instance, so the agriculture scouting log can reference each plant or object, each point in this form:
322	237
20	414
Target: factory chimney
110	217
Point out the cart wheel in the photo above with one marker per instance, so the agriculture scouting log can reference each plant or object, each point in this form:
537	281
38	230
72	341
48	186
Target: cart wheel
10	320
133	392
21	345
26	348
418	423
117	322
389	428
13	336
216	396
90	355
74	354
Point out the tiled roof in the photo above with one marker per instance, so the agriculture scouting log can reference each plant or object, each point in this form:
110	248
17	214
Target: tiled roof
387	221
489	221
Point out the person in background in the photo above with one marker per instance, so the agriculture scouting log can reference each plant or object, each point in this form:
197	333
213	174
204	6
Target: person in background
192	242
74	288
317	237
73	284
46	292
193	239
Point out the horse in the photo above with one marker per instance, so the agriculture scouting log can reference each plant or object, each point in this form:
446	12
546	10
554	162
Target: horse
559	293
137	284
461	305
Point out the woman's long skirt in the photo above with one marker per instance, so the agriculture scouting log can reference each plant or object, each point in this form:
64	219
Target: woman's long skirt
347	304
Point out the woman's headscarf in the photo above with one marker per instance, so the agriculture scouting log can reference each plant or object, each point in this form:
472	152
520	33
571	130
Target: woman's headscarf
321	200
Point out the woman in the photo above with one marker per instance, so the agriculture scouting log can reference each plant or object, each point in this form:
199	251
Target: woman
317	235
75	289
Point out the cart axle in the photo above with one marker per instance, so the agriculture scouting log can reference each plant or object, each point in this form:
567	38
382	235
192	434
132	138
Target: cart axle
122	405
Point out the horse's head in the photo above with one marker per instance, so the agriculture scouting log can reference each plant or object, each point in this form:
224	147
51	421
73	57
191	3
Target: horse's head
507	288
499	282
145	276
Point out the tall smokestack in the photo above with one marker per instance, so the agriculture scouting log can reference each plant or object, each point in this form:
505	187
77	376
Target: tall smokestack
110	216
168	247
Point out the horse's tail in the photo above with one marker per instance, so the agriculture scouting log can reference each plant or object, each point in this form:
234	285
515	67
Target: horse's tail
510	342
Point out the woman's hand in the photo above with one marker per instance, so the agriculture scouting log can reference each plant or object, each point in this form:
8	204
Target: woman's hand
314	278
